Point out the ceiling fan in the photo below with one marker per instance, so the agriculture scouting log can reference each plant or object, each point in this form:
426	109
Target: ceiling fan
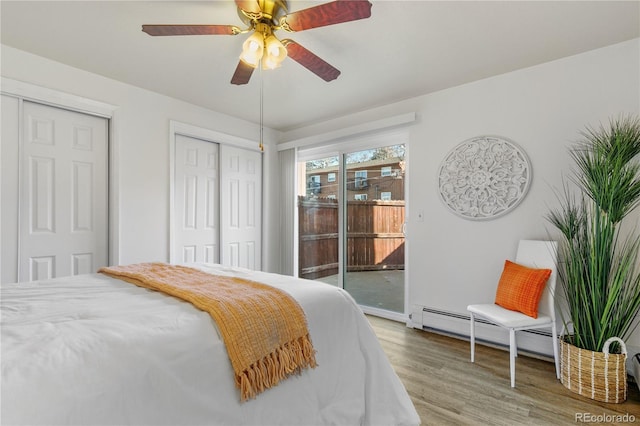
263	18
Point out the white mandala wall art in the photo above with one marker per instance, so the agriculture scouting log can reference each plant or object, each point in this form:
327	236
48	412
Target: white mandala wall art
484	177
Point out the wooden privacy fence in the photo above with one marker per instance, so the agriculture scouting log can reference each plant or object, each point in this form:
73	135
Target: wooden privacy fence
375	239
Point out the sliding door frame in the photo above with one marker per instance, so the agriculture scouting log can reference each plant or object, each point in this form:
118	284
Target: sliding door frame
340	149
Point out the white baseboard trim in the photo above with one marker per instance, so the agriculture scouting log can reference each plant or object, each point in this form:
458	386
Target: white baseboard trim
536	343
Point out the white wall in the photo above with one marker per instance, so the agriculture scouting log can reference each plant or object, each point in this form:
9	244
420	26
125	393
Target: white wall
452	261
143	150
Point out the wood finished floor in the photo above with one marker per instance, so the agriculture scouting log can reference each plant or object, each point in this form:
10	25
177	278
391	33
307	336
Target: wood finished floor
447	389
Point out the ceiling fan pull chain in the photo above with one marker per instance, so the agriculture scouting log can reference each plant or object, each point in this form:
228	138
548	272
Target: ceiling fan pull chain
261	106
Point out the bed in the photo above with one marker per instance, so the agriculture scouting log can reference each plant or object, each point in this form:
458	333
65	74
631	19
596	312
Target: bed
92	349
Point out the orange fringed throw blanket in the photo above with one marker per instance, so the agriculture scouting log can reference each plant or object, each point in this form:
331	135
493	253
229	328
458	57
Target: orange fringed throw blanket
264	329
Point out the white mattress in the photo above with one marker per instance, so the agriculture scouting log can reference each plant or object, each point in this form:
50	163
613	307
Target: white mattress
91	350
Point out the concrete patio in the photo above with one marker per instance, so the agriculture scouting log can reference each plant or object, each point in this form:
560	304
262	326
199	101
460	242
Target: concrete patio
378	289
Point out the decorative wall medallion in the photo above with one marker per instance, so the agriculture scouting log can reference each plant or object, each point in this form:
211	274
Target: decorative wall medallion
484	177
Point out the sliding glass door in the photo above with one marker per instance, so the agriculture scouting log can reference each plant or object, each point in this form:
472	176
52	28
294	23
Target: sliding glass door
374	223
351	221
318	219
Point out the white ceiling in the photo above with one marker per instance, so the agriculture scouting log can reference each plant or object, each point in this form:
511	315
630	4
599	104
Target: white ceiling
406	48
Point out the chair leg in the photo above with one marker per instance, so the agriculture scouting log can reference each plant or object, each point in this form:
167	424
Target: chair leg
513	350
473	338
556	358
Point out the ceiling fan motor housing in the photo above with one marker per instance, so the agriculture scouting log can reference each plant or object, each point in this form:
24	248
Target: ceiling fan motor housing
270	12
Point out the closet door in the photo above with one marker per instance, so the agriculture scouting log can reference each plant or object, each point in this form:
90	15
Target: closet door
241	207
216	202
63	193
196	192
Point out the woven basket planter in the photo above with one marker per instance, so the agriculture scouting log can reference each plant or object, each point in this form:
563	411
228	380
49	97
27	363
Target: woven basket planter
600	376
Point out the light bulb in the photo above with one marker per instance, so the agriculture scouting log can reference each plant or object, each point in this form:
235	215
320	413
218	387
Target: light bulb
270	63
274	50
254	46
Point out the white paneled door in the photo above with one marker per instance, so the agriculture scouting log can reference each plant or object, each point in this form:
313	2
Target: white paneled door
241	207
197	194
63	193
217	205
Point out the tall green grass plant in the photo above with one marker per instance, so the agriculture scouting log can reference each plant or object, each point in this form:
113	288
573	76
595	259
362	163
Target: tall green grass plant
598	266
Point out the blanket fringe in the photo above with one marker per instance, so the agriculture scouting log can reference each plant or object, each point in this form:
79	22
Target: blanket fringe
286	360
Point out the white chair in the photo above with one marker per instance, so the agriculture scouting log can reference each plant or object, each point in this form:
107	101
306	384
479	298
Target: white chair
534	254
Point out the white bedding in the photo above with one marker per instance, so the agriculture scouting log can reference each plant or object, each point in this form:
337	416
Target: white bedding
91	350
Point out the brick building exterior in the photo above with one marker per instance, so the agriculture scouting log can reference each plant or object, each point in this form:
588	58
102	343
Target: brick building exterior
369	180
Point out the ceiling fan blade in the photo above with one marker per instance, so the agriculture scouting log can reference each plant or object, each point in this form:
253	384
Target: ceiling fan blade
242	74
250	6
335	12
310	61
174	30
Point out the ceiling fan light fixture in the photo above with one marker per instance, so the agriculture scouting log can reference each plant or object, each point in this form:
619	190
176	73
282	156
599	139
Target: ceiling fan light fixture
253	49
275	52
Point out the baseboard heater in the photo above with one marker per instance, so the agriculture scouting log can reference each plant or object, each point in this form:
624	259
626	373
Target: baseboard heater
533	342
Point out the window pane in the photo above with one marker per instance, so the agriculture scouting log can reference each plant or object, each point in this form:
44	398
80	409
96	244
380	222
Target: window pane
374	252
318	220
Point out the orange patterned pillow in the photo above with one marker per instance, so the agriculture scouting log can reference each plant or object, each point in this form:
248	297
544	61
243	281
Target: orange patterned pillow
520	288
